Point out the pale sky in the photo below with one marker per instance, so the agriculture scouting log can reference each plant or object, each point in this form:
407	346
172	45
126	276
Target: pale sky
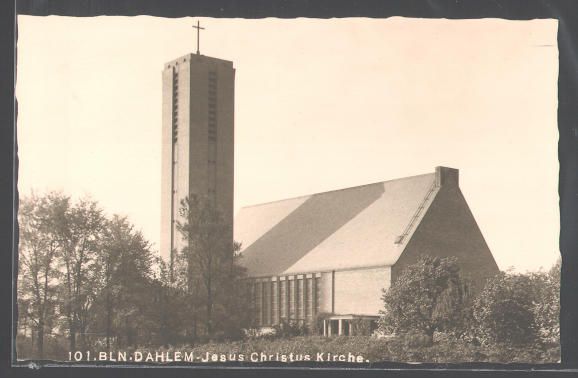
319	105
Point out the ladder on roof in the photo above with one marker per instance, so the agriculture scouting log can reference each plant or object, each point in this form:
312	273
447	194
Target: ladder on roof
400	239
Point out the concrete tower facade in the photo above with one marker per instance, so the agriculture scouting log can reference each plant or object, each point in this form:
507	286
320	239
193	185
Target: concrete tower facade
197	140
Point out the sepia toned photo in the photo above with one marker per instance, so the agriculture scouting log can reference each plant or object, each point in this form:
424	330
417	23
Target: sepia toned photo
287	192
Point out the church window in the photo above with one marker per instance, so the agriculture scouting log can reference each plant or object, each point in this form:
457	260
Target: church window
283	299
266	302
309	305
258	302
212	107
175	104
301	312
212	169
317	295
291	315
251	295
212	131
298	296
274	303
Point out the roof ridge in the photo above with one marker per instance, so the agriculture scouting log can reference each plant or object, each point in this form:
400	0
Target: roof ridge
335	190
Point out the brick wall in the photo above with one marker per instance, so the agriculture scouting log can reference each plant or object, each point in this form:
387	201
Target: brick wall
359	291
449	229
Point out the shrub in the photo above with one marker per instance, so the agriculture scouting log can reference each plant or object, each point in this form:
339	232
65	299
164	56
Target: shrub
546	308
317	324
291	329
503	312
361	327
261	333
428	296
416	339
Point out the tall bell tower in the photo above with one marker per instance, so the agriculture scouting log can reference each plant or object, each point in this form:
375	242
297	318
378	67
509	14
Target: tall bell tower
197	140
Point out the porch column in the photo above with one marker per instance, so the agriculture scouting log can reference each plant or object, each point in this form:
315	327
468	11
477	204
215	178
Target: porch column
324	327
340	333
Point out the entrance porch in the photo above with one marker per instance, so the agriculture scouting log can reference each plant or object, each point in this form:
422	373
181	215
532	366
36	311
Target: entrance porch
349	325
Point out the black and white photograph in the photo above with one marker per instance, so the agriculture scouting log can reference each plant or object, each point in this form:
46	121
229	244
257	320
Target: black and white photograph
287	192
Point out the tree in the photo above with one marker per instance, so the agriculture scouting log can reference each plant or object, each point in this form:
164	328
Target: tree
90	279
207	266
38	252
125	260
79	233
168	305
503	311
547	306
428	296
232	310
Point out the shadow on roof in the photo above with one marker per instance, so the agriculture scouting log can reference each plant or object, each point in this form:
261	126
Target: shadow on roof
308	225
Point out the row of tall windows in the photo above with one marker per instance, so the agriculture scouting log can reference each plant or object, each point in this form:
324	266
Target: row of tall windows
212	133
295	300
175	117
175	151
175	125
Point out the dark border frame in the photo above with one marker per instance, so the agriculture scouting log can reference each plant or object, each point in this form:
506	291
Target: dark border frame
565	11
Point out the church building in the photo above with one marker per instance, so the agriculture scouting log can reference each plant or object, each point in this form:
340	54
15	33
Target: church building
335	252
328	253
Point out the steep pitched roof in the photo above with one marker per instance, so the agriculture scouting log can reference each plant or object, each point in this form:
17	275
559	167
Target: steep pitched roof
341	229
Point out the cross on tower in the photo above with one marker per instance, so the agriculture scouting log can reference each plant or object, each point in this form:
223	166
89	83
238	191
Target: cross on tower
199	28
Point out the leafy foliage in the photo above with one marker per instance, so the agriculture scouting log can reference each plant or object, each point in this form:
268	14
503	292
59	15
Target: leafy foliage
79	233
290	329
504	309
124	284
38	274
93	280
361	327
428	296
208	273
547	307
317	324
